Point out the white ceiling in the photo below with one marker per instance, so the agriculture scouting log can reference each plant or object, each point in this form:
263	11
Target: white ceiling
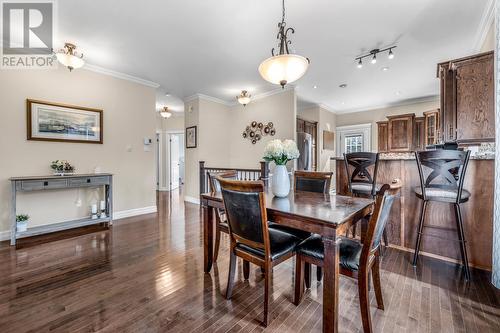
214	47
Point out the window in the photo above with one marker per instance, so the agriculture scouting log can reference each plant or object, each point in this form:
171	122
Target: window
353	138
353	143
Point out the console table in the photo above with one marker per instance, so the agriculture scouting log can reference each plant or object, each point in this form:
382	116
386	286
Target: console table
44	183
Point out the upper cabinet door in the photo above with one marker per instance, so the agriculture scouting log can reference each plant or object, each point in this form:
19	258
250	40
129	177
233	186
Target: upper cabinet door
401	132
383	144
474	84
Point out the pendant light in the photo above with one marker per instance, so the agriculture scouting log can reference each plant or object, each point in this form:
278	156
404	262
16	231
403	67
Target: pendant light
165	112
283	67
69	57
244	98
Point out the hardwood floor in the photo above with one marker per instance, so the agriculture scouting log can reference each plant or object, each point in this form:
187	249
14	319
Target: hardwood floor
146	275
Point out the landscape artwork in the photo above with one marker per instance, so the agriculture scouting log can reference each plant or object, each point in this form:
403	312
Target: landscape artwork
58	122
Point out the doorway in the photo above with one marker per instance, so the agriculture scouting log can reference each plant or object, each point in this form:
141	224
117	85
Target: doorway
170	172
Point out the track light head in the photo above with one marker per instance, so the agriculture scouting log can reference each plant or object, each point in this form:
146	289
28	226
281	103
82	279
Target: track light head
374	59
391	55
360	63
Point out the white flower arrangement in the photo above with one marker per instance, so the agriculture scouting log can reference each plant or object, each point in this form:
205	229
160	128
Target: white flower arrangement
280	152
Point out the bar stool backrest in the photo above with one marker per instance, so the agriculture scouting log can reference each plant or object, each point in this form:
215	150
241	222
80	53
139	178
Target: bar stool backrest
364	166
442	169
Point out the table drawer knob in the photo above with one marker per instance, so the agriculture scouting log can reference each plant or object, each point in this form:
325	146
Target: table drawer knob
88	180
45	183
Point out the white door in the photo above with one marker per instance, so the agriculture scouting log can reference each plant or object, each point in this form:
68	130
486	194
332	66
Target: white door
174	161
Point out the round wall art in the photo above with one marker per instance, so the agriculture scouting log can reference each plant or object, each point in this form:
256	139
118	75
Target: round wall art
255	131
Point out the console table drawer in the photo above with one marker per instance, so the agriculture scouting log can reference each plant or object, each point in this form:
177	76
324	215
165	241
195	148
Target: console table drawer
89	181
32	185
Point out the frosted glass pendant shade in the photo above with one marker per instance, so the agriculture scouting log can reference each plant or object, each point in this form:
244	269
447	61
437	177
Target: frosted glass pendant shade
284	68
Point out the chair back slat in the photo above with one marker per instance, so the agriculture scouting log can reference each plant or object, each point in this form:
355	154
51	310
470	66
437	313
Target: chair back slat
364	166
309	181
245	211
384	201
442	169
214	182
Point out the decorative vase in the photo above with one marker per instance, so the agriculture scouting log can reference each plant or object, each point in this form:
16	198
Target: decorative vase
281	182
22	226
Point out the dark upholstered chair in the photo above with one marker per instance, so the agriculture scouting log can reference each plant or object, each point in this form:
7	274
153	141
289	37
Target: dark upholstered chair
221	223
361	169
356	259
251	238
442	175
318	182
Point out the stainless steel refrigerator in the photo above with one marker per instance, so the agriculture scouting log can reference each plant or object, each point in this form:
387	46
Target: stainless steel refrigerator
304	143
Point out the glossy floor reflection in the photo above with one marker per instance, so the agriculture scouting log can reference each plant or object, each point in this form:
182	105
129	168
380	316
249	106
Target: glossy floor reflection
146	275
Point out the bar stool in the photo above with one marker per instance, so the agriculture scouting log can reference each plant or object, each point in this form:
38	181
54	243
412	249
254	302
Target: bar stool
442	180
362	182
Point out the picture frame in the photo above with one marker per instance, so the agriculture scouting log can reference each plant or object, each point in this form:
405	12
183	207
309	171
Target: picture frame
328	140
191	137
48	121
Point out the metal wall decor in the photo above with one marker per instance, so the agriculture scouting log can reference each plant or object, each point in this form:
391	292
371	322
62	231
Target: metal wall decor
255	131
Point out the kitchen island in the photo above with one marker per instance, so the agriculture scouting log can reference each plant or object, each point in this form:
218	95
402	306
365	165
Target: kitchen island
441	240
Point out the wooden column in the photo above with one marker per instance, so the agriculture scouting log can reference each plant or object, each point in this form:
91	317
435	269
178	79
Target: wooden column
264	172
202	177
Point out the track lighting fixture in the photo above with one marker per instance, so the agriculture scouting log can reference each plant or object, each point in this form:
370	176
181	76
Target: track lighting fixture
373	54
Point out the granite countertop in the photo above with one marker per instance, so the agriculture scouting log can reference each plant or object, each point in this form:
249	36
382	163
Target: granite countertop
411	156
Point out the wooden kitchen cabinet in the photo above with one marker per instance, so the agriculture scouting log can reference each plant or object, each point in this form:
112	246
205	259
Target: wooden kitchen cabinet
419	133
400	132
383	136
467	99
431	127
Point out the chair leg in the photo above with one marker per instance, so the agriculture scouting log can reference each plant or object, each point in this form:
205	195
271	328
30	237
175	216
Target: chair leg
461	237
246	269
419	232
217	241
299	280
376	283
232	271
354	230
267	285
364	301
307	274
319	273
386	241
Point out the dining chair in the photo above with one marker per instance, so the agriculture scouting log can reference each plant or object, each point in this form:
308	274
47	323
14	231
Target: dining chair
311	181
251	238
442	175
356	259
362	169
220	216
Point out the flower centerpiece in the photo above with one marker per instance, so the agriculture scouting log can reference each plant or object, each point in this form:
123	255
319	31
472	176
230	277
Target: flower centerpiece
62	167
281	152
22	222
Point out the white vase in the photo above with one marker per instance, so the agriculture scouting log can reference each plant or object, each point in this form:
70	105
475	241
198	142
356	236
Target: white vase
22	226
280	182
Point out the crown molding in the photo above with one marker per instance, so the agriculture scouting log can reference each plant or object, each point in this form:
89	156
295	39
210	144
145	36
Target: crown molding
418	100
123	76
235	103
487	20
206	98
327	108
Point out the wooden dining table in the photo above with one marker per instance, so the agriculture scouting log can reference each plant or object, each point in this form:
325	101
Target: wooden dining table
323	214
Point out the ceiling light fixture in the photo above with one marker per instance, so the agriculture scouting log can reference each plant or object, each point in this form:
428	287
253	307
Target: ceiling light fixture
165	112
244	97
284	67
373	54
69	57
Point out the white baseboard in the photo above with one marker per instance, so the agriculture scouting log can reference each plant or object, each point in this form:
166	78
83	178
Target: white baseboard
192	200
134	212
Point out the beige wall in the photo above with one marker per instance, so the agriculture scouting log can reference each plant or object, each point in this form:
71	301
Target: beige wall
129	116
174	123
220	143
372	116
489	41
280	109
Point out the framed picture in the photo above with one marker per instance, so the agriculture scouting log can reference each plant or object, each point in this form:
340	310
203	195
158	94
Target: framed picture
328	140
191	137
63	123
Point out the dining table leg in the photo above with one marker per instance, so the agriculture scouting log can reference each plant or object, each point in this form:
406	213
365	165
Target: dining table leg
331	284
208	237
